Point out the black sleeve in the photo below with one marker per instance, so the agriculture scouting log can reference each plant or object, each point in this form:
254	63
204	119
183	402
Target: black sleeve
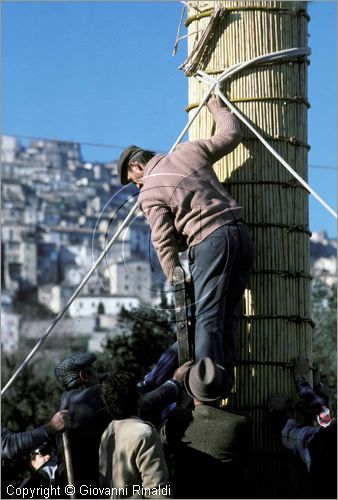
14	444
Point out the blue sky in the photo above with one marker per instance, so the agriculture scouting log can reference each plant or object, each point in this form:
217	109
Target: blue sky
103	73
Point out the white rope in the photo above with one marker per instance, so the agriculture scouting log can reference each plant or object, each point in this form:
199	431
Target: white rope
179	31
276	155
187	35
70	300
214	83
234	69
90	272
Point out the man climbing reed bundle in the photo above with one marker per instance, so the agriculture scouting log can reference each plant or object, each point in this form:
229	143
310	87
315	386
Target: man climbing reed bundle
188	208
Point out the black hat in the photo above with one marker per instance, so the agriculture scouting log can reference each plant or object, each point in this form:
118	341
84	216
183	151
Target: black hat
122	164
67	371
205	380
45	449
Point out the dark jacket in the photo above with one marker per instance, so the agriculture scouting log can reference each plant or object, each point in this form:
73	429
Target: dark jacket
42	478
323	471
205	449
89	419
15	444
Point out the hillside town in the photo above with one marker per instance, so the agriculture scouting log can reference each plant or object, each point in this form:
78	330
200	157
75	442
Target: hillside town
58	214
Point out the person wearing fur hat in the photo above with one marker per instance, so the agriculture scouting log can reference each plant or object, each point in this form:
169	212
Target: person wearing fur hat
213	440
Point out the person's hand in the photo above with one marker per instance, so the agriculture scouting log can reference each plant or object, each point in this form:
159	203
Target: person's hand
59	422
301	368
180	372
214	103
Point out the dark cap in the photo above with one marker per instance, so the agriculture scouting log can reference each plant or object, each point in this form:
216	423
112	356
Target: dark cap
68	370
122	164
44	449
205	380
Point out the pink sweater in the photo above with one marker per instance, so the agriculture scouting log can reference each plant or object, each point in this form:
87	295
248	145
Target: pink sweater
182	197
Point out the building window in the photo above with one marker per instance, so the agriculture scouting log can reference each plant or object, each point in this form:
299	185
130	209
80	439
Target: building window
13	245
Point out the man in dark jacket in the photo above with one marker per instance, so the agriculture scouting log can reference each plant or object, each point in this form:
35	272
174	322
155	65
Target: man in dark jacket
82	398
206	445
89	418
15	444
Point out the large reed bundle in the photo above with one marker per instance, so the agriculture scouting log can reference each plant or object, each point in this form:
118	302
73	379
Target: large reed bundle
276	323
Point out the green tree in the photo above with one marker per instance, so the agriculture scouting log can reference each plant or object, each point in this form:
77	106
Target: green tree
324	313
100	309
33	397
29	402
147	333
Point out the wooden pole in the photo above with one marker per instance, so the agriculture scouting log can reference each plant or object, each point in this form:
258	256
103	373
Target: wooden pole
276	309
68	463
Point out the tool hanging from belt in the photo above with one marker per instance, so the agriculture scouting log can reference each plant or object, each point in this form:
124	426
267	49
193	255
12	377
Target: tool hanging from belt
183	316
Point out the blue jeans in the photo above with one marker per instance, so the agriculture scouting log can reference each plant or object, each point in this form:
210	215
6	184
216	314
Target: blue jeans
220	267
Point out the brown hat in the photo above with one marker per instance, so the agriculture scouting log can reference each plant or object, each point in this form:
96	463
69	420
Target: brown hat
122	164
205	380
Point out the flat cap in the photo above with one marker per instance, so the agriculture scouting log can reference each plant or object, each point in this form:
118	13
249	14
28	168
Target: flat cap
67	371
122	164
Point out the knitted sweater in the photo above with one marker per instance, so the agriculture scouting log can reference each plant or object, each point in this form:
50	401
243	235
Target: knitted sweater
182	197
